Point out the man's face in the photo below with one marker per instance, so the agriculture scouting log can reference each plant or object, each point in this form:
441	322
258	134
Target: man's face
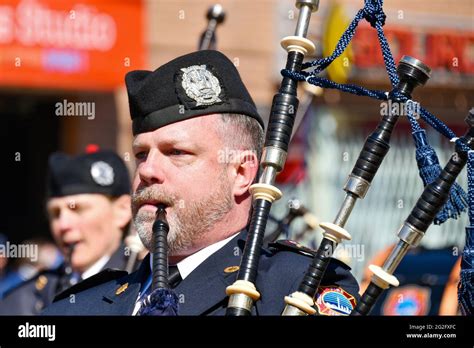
178	165
86	221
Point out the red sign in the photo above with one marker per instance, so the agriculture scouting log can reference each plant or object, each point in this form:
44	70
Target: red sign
78	44
445	49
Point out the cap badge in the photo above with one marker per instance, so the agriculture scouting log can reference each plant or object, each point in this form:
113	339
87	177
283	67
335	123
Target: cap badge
102	173
201	85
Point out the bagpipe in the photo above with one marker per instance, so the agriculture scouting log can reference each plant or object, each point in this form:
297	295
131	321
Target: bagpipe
441	199
428	282
412	73
466	284
413	229
243	293
162	301
215	16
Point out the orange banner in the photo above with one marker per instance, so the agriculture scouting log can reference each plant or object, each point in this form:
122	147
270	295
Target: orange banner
70	44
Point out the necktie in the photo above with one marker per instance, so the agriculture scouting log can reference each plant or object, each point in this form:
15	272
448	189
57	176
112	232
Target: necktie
174	277
161	302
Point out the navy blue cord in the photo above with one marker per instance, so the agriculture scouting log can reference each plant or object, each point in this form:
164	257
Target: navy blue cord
466	284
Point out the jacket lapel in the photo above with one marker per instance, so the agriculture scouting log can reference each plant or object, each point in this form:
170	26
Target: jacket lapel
205	287
122	295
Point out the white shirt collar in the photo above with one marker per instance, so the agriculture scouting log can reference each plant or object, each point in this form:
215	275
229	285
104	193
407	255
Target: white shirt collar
96	267
190	263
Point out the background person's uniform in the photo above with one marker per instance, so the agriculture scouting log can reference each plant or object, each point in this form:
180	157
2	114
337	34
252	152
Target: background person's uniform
102	172
32	296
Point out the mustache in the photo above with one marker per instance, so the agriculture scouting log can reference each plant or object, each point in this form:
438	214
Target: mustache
152	193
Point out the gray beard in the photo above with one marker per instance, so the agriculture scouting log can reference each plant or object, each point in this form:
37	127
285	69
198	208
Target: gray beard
188	222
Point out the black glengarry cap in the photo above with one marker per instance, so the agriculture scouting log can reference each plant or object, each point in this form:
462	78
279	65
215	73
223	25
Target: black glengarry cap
101	171
200	83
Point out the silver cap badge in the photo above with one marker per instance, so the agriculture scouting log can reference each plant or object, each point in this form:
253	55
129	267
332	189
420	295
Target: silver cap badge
201	85
102	173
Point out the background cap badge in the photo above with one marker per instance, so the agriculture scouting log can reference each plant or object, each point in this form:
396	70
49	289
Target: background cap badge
102	173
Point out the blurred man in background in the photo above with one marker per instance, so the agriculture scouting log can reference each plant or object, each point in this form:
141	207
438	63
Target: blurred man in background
89	211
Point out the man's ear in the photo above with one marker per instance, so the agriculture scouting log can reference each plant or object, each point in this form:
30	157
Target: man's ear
122	211
245	170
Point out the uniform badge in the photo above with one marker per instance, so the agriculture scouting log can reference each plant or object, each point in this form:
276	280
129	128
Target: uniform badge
102	173
231	269
41	282
121	289
201	85
333	300
407	300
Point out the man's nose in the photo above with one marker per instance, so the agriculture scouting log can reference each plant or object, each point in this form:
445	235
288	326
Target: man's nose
150	171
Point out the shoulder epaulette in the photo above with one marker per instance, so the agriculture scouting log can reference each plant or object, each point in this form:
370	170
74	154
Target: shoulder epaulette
102	277
290	245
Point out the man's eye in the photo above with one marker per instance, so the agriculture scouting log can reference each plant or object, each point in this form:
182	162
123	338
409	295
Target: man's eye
140	155
176	152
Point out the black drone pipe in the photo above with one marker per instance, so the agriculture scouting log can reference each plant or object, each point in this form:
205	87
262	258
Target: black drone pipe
243	293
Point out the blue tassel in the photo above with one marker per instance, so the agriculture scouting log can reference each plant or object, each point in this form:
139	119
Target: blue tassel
466	284
468	253
429	169
466	292
161	302
467	262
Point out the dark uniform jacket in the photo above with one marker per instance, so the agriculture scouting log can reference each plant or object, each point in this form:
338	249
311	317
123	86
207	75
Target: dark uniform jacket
32	296
202	292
